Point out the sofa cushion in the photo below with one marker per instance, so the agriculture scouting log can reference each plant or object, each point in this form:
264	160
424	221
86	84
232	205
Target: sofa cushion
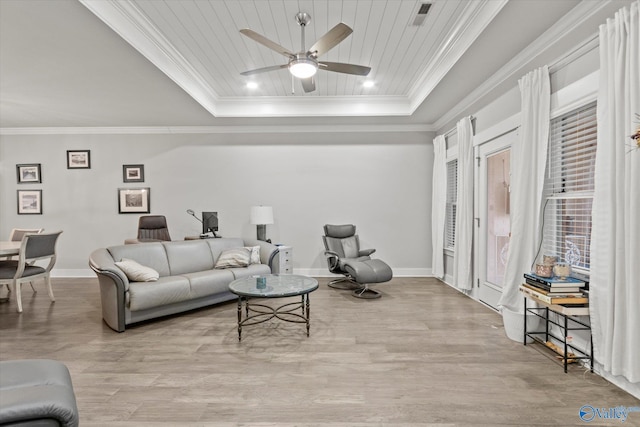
236	257
188	256
167	290
36	392
149	254
255	254
137	272
210	282
219	245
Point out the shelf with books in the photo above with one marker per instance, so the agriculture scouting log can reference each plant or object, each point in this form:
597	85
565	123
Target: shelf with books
571	299
568	321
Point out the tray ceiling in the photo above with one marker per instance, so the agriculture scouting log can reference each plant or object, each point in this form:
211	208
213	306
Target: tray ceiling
198	45
168	65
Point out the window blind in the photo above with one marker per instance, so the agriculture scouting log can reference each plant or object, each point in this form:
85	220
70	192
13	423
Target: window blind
452	192
569	186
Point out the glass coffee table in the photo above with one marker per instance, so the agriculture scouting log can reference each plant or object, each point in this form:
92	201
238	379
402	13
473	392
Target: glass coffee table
273	286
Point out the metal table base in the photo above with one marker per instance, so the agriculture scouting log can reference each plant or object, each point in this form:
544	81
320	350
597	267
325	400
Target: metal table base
255	313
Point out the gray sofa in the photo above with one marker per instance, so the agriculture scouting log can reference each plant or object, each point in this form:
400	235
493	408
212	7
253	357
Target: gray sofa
36	392
187	278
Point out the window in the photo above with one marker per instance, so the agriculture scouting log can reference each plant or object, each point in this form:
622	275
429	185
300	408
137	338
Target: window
569	186
452	192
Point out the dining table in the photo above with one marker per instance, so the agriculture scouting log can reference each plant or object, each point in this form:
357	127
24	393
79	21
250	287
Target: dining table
8	248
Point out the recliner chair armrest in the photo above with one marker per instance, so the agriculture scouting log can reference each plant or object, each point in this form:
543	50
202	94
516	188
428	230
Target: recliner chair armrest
366	252
333	259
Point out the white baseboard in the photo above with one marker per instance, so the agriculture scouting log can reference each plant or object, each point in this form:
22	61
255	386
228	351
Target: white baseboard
397	272
313	272
76	272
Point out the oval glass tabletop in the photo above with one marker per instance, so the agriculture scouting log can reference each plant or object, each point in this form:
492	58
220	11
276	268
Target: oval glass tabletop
274	286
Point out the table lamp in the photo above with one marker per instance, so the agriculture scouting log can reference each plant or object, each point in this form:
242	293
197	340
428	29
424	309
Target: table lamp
261	216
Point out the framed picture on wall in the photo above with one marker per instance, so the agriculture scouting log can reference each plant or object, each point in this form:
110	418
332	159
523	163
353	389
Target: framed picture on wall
133	173
134	200
29	173
29	202
78	159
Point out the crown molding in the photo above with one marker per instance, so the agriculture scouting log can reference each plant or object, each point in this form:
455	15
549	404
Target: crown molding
576	16
166	130
352	106
474	19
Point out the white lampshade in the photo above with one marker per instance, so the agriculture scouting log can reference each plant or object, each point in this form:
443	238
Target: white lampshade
261	215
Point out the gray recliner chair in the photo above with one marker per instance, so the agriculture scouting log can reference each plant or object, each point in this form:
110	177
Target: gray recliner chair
345	257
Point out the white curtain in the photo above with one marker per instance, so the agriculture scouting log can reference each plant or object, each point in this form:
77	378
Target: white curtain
438	205
528	160
615	243
462	253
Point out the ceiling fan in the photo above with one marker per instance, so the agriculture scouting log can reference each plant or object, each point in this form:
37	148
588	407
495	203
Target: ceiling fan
305	64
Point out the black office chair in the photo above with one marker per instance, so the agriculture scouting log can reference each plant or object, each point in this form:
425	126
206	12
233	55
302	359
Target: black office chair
345	257
151	228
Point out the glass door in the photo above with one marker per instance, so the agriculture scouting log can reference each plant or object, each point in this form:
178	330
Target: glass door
493	172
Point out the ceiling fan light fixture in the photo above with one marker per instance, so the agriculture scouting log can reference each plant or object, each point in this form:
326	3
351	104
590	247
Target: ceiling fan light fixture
303	68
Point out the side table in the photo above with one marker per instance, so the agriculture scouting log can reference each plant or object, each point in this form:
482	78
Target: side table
568	322
283	260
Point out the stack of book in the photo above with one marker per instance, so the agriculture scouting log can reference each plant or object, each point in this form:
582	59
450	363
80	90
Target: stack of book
556	290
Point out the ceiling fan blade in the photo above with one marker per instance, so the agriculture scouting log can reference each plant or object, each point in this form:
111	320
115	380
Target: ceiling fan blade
340	67
308	84
331	39
266	42
264	69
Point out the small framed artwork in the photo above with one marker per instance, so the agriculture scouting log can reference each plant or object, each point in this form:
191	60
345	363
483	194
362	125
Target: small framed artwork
29	173
29	202
134	200
133	173
78	159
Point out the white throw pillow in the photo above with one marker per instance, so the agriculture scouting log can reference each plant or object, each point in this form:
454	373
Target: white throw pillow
137	272
255	254
237	257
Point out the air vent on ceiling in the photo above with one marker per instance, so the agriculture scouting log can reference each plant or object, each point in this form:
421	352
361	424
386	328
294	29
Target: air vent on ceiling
421	15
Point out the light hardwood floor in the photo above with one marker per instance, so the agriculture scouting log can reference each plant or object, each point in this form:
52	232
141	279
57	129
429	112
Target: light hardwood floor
422	355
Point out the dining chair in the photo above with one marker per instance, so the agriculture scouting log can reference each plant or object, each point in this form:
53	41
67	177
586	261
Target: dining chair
16	235
34	247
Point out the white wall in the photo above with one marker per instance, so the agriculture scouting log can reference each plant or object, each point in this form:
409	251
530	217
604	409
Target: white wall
379	181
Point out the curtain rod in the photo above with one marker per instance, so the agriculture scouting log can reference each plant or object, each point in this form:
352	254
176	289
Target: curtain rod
454	129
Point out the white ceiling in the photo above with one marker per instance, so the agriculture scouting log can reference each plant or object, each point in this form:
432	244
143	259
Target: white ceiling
178	62
199	46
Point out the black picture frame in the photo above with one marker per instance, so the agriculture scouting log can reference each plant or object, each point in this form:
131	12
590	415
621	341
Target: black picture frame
29	173
29	202
78	159
134	200
132	173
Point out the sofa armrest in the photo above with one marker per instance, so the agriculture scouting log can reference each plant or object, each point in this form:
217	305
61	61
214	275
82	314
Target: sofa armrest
113	288
267	251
